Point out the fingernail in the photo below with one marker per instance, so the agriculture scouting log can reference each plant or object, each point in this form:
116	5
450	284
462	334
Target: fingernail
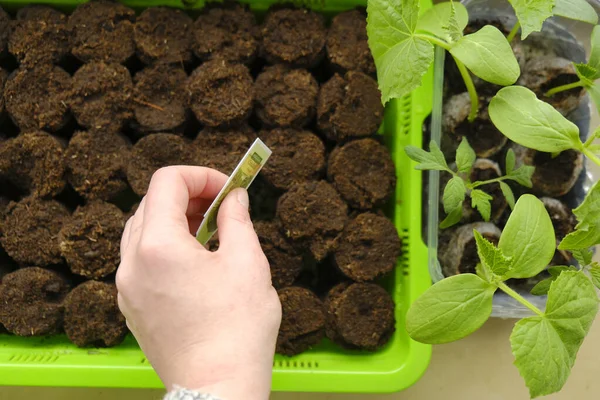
242	196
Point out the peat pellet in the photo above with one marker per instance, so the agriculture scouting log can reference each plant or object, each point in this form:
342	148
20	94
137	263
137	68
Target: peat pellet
302	321
313	214
89	240
153	152
92	316
346	45
159	102
38	98
30	229
222	149
102	30
34	162
31	301
226	31
563	219
349	107
363	172
360	316
102	96
298	156
163	35
5	24
3	78
368	248
263	199
284	260
39	35
96	164
458	254
285	97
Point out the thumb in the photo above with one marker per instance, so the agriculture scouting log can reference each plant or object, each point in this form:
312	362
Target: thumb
236	231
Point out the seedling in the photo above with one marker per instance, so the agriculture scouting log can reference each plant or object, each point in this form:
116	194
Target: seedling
459	186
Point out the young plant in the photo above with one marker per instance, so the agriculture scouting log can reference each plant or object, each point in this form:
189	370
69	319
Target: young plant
460	185
402	44
545	346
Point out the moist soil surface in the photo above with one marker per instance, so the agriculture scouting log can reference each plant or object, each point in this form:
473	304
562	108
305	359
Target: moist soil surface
562	217
285	96
361	316
363	173
39	35
31	302
3	78
349	107
4	30
298	156
92	316
346	45
556	176
223	149
226	31
89	240
368	248
221	93
102	31
163	35
302	322
38	98
96	164
34	162
159	103
101	96
30	230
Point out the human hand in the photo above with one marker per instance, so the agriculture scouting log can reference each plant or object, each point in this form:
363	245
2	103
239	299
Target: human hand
205	320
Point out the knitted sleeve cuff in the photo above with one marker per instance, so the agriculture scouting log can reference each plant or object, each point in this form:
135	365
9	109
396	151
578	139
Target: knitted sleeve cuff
185	394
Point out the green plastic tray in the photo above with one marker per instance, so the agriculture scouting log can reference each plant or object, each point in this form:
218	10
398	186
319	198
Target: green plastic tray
327	368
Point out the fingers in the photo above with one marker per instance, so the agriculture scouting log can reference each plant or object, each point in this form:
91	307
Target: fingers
235	227
133	228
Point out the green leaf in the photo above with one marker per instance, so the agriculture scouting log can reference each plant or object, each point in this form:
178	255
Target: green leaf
465	156
587	230
545	346
522	175
579	10
510	161
491	256
595	274
508	194
438	20
481	201
559	269
594	60
454	194
586	73
401	58
581	239
453	217
530	122
433	159
541	288
532	14
583	256
451	309
488	55
594	91
483	272
454	29
528	238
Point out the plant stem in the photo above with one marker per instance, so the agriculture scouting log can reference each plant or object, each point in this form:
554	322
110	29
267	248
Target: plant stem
433	40
591	156
519	298
513	32
481	183
562	88
464	72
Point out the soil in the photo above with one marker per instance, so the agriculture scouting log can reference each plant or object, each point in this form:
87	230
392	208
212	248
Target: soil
285	96
89	240
226	31
483	170
153	152
363	172
561	216
92	316
102	30
223	150
30	229
5	24
221	93
31	302
39	35
284	260
3	78
368	248
163	35
293	36
302	322
159	99
346	45
96	164
313	214
349	107
263	199
38	98
34	162
101	96
361	316
298	156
